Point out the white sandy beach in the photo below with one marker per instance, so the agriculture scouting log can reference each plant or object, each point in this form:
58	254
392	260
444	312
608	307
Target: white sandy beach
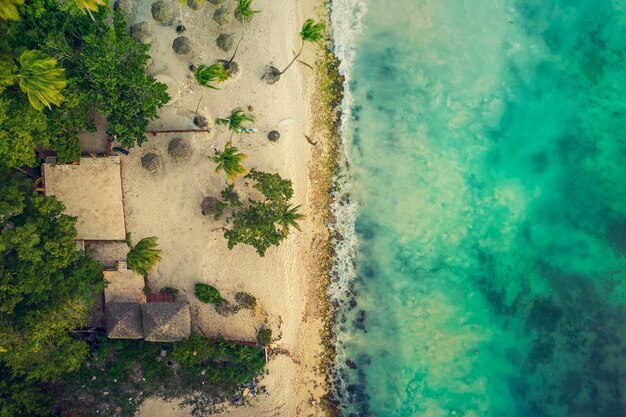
166	204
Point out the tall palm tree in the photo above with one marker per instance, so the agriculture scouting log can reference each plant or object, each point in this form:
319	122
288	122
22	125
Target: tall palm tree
8	9
235	119
244	12
144	256
229	161
311	32
41	79
213	73
288	217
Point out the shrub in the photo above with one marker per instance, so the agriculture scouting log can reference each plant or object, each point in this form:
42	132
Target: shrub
245	300
225	308
207	294
193	351
264	336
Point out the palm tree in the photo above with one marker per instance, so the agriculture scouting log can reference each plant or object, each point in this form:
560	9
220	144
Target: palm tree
235	119
288	218
311	32
229	161
206	75
144	256
244	12
41	79
8	9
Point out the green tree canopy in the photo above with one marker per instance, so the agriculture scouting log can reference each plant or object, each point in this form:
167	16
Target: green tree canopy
104	72
46	285
265	223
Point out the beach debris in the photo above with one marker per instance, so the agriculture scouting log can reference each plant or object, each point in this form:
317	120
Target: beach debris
151	162
225	42
246	392
271	75
173	90
179	149
201	121
163	12
125	7
180	29
221	16
182	45
195	4
273	136
285	122
208	206
141	32
311	142
216	2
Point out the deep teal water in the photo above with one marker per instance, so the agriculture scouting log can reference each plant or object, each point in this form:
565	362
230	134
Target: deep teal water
487	151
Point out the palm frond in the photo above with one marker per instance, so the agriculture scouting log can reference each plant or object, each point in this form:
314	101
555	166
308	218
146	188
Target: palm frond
244	11
235	119
41	79
144	256
205	75
8	9
230	161
288	218
312	32
87	6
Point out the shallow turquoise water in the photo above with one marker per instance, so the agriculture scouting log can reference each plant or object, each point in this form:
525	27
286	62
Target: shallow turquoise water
487	151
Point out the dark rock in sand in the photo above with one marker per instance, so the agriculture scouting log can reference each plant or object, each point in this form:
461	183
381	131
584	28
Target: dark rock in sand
151	162
272	75
222	16
216	2
163	12
141	32
125	7
182	45
273	136
179	149
196	4
225	42
208	206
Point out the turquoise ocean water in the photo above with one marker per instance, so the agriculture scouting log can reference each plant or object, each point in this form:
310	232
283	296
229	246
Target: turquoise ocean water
482	270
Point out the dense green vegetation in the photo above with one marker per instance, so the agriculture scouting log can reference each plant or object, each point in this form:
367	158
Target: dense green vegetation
120	374
46	290
207	293
57	67
260	223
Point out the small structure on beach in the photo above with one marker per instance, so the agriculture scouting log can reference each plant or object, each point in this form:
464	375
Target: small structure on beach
166	322
91	191
130	314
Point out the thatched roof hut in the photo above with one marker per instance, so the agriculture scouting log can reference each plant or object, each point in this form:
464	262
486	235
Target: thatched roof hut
123	320
166	322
